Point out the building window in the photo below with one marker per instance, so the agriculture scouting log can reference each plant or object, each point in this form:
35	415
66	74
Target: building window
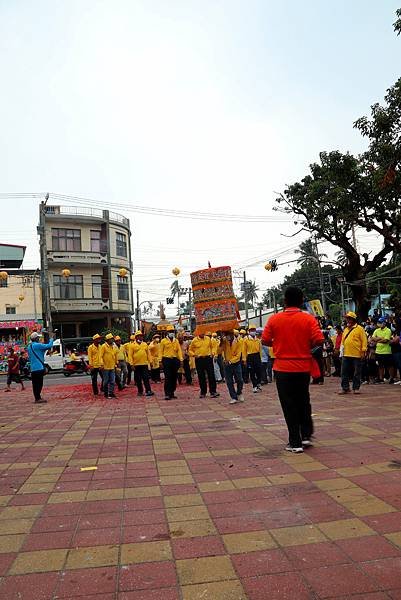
96	286
10	310
68	288
122	288
66	239
121	244
95	240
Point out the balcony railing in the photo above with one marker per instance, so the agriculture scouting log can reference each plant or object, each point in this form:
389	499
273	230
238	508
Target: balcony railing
84	211
55	256
78	304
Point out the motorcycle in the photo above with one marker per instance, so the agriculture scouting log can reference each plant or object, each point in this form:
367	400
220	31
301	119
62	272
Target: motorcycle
76	368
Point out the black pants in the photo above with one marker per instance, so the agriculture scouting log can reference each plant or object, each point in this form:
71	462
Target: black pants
245	372
264	373
205	370
220	362
94	374
129	373
155	375
293	392
37	383
254	363
170	368
337	364
141	375
187	371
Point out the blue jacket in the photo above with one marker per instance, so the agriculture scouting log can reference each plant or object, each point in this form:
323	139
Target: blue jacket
265	354
37	363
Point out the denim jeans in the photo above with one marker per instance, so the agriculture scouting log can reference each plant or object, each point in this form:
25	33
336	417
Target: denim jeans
351	368
109	378
233	373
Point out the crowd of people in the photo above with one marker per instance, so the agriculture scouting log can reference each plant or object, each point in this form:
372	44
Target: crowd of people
231	357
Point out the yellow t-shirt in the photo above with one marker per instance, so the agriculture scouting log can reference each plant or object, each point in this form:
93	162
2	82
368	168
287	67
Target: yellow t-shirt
354	342
201	347
108	355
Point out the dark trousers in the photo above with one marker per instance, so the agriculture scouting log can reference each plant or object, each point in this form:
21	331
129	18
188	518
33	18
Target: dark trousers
95	371
187	371
337	364
205	370
170	368
351	369
155	375
293	392
254	363
129	373
233	374
220	362
141	376
37	383
245	372
264	373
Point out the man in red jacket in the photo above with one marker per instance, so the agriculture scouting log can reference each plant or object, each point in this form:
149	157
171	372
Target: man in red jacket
293	333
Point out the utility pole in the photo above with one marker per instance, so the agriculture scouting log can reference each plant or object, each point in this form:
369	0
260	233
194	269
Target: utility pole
323	297
380	297
44	267
341	282
246	299
138	313
190	309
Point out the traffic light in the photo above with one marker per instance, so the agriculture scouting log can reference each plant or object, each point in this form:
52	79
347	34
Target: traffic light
271	265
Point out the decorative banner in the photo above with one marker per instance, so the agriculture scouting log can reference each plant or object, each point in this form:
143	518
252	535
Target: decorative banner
216	307
315	308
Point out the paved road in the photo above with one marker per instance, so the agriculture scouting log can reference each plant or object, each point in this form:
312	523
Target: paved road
53	379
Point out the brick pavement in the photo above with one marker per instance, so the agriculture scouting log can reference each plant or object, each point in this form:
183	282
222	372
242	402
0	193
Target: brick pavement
196	500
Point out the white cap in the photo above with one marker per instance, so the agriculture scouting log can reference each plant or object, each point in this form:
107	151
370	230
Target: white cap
35	335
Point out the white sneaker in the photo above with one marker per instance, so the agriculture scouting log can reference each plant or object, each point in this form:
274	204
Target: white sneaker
307	443
233	401
295	450
397	382
256	390
259	387
241	398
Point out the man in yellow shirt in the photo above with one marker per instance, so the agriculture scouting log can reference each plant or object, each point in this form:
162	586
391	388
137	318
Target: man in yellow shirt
244	366
95	363
154	354
140	360
201	348
354	344
253	358
108	359
171	357
127	347
231	353
122	370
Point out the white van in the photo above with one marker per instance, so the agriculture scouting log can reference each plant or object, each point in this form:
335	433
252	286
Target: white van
55	358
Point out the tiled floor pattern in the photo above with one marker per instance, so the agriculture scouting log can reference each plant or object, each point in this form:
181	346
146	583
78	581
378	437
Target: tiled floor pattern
196	499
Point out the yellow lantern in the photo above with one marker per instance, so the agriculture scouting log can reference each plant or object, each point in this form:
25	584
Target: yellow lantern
123	272
66	273
176	271
21	297
268	266
3	275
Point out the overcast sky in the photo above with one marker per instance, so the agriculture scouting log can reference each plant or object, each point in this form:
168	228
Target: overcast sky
209	105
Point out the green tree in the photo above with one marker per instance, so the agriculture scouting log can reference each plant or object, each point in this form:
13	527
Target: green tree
308	253
251	296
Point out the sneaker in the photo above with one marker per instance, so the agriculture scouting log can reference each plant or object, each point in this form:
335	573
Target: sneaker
173	397
215	395
364	382
241	398
202	395
397	382
41	401
307	443
391	380
233	401
140	394
259	386
358	392
255	390
167	397
343	392
150	393
294	450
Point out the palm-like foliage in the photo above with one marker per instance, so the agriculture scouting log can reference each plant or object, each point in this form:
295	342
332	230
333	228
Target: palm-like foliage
308	253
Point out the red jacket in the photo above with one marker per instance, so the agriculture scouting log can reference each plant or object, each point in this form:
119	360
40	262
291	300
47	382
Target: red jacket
292	333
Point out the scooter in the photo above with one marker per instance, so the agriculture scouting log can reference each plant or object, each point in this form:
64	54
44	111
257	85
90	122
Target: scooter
76	368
